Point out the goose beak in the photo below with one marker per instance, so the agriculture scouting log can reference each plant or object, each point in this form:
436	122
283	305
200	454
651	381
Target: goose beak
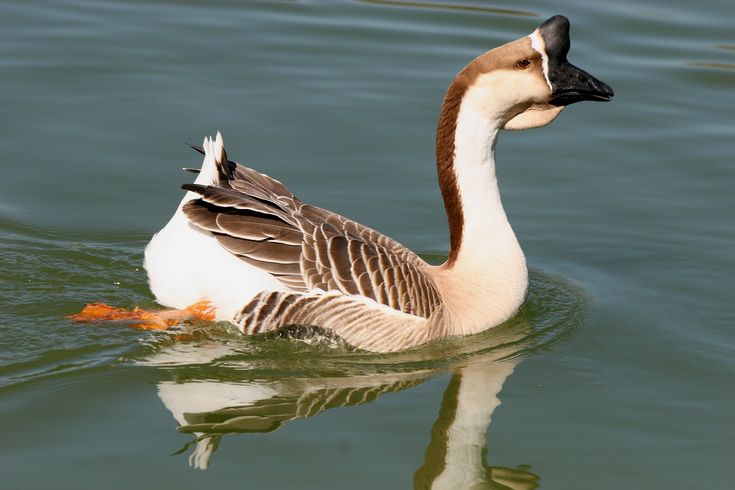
572	85
568	83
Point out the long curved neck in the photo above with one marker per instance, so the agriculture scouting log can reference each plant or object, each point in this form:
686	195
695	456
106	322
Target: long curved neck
485	261
465	150
482	213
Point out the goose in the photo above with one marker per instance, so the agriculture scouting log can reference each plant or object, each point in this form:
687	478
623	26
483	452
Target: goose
242	248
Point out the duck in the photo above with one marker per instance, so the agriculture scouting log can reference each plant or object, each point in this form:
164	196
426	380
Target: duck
242	248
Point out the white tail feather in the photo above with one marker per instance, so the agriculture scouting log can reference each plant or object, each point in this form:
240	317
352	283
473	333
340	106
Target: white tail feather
214	154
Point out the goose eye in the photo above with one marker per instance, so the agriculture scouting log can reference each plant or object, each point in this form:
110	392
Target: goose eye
523	64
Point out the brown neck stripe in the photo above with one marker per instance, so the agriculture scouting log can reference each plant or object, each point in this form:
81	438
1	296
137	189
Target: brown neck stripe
445	154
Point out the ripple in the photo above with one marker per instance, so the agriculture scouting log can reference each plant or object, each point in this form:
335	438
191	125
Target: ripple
451	6
554	310
720	66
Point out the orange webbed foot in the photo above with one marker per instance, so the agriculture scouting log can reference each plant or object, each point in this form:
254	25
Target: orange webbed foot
143	319
202	310
136	318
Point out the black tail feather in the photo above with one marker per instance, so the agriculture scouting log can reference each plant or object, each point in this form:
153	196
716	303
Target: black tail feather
225	174
198	188
197	148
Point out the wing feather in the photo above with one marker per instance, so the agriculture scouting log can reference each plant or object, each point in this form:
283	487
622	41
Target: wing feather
305	247
258	228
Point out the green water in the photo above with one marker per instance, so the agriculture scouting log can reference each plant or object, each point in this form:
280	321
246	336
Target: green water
617	373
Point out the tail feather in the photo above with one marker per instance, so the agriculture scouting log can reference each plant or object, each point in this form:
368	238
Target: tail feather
196	147
225	168
217	170
224	183
200	149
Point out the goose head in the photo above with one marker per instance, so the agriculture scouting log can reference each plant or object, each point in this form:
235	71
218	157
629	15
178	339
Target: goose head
520	85
526	83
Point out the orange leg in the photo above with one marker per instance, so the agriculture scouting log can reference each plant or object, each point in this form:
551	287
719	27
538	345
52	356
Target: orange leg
146	320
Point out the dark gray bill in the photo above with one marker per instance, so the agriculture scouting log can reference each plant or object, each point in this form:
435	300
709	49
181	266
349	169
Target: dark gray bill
569	84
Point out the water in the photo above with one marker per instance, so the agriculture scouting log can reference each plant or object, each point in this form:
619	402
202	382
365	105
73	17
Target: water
618	372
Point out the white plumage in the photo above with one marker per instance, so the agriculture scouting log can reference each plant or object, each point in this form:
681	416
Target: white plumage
186	264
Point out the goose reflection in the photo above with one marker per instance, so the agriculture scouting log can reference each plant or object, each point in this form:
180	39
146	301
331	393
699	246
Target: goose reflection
456	453
455	457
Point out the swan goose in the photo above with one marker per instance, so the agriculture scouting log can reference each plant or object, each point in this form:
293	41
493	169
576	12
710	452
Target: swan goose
268	260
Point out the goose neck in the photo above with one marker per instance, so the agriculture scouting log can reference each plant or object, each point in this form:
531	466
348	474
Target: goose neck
468	180
486	266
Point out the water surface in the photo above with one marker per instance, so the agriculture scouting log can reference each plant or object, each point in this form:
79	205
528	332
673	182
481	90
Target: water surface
616	374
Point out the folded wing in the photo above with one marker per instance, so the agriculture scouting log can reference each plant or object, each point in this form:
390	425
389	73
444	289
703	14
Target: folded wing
308	248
